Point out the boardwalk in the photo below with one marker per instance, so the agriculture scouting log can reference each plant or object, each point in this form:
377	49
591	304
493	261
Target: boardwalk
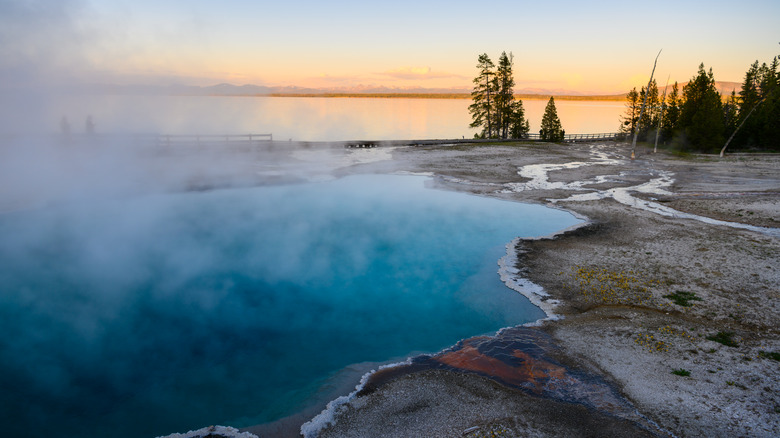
263	141
569	138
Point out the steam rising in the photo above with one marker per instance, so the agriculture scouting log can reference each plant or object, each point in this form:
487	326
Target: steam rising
149	286
232	306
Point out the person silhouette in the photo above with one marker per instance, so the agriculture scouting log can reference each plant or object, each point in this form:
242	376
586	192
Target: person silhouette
65	126
90	126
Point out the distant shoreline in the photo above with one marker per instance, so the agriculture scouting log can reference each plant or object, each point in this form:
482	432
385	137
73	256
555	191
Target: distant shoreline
608	98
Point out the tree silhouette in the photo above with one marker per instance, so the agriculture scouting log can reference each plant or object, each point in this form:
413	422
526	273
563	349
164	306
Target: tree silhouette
701	115
551	125
485	86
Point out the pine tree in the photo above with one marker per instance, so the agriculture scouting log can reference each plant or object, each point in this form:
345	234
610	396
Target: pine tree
504	95
730	113
748	96
494	108
652	109
551	125
759	108
701	114
483	95
518	125
768	112
671	114
631	117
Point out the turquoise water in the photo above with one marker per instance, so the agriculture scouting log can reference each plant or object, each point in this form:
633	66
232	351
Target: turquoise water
171	312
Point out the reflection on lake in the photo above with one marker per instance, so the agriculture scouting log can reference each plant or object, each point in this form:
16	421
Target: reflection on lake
311	118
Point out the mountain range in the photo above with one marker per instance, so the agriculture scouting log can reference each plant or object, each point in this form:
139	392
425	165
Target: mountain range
723	87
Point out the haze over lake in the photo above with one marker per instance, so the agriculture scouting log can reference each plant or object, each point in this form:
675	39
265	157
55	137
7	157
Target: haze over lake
310	118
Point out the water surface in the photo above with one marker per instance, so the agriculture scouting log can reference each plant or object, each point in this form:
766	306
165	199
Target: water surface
310	118
170	312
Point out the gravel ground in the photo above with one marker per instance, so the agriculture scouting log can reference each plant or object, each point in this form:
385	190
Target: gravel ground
681	314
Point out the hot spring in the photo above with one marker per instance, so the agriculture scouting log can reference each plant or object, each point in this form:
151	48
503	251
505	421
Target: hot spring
162	313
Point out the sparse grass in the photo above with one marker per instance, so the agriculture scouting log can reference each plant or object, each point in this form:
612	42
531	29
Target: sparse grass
774	355
666	337
725	338
681	154
735	317
649	342
681	372
683	298
611	287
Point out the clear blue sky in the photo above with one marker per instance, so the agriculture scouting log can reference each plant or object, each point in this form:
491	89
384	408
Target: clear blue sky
602	47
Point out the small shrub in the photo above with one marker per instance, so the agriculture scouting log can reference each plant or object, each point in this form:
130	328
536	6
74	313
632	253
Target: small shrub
683	298
681	372
725	338
774	355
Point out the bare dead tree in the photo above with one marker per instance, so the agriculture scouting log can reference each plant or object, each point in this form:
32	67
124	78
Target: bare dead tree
723	151
644	102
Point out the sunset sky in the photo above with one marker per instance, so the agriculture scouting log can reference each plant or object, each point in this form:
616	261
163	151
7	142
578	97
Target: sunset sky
589	47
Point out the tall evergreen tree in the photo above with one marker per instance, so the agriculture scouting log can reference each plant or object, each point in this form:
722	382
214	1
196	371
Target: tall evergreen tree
494	108
671	114
652	110
749	96
518	125
483	96
768	112
731	113
551	125
759	109
701	115
504	95
631	117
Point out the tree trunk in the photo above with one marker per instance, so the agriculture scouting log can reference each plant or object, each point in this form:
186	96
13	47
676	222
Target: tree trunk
723	151
489	121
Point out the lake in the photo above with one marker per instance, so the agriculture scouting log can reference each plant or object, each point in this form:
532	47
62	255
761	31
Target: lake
309	118
162	313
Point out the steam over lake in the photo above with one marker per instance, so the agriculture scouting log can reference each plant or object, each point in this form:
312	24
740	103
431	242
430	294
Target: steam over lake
132	306
311	119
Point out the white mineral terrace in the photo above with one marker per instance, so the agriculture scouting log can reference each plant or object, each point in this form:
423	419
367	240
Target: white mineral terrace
656	185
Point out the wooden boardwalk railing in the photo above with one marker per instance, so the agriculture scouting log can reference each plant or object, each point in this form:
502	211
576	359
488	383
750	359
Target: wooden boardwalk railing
584	137
568	138
250	138
166	139
267	140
